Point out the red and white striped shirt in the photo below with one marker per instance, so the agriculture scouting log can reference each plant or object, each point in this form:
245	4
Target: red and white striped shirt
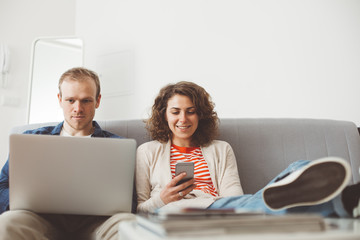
201	169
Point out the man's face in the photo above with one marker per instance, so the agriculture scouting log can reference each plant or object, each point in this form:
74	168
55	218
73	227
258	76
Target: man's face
78	101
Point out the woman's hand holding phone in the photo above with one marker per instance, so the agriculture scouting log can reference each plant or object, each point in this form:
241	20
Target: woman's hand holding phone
173	192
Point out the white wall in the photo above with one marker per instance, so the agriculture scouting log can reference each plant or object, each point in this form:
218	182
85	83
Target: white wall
256	58
21	22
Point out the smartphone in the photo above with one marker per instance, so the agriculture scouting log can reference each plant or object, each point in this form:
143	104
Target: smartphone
187	167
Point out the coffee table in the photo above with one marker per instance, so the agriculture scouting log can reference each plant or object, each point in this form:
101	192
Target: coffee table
336	229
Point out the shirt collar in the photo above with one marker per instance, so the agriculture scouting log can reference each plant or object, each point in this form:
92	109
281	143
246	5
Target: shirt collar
97	131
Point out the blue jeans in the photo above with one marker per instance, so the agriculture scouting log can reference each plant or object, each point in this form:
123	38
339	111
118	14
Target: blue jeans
255	202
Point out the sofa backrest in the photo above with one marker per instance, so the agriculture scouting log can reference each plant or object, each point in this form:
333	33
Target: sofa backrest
264	147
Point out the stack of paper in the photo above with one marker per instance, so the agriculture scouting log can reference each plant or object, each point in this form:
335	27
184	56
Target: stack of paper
192	222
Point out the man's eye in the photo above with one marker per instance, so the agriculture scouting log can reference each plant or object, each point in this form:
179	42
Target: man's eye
70	101
86	101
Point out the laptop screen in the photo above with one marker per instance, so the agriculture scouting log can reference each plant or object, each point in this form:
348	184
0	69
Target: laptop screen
71	175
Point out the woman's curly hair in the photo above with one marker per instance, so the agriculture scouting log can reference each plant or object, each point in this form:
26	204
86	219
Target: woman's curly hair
208	120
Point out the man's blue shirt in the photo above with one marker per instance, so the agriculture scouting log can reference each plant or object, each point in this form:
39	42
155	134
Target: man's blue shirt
50	130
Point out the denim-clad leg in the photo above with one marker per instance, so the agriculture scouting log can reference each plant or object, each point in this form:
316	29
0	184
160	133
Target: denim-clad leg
255	202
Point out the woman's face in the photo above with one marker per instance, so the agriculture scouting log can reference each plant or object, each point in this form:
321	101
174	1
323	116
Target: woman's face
182	119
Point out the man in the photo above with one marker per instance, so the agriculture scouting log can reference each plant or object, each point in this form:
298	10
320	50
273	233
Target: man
79	96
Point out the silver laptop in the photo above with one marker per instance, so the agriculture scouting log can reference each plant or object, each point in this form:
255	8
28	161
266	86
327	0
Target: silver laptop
71	175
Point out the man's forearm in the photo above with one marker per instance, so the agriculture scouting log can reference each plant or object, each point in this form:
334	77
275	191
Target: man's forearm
4	199
4	188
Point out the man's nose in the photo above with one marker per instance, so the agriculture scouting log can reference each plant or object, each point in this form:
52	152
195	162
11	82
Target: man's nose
77	106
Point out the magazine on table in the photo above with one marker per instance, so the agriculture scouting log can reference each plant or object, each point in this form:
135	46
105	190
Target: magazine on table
193	221
201	213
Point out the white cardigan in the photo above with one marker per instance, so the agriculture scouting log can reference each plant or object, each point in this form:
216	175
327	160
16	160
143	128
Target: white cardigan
153	173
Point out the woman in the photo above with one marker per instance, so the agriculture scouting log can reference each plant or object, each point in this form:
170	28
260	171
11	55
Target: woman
184	126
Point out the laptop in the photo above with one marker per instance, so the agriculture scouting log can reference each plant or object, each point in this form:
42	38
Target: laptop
71	175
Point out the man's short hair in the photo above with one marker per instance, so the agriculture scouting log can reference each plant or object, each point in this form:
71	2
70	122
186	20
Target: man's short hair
80	74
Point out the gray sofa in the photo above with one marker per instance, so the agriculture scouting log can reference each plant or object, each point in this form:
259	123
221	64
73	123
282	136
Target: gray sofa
264	147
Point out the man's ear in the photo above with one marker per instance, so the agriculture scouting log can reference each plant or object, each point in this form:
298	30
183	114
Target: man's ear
60	99
98	101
